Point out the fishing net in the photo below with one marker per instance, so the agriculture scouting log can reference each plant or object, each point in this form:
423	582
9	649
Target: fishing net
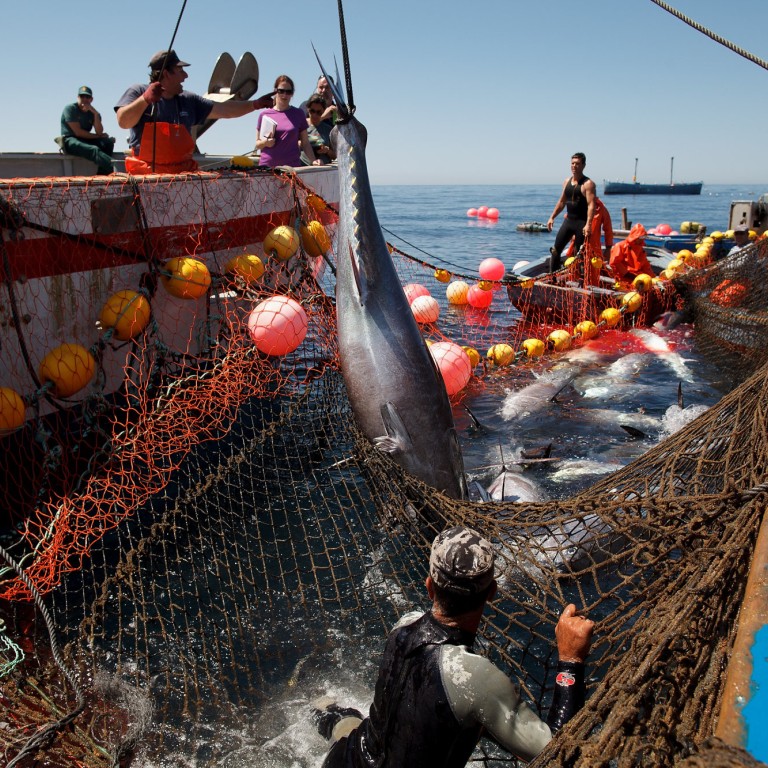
217	544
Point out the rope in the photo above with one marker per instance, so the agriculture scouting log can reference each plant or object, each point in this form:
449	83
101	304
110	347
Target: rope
691	23
44	735
162	69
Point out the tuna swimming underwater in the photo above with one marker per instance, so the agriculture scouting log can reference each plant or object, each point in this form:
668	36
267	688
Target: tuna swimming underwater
395	389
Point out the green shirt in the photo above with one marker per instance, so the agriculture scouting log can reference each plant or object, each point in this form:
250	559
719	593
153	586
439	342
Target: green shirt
73	114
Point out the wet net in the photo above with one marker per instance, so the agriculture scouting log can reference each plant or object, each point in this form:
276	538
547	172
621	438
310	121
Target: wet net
213	544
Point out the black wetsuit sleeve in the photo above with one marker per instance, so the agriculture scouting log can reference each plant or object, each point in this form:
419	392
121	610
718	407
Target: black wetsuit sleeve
568	698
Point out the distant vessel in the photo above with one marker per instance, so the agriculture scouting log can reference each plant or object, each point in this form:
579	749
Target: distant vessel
635	188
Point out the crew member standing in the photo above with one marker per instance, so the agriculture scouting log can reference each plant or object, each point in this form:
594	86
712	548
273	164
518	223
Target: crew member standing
161	116
578	198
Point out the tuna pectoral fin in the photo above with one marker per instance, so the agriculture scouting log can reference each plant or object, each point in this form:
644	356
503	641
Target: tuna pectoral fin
397	439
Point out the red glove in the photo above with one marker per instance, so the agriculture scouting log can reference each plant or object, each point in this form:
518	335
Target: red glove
153	94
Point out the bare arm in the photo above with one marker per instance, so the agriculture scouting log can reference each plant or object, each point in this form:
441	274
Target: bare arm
307	147
129	116
232	108
558	207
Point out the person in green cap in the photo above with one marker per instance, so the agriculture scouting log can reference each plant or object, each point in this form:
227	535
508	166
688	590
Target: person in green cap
83	134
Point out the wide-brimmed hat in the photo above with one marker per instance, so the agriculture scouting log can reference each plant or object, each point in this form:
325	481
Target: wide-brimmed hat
166	59
85	91
462	561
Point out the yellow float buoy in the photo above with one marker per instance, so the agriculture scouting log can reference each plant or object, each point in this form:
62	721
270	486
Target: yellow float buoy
442	276
596	262
632	301
68	368
456	292
586	329
533	347
684	255
472	354
501	354
569	261
282	242
186	278
242	161
127	313
316	202
12	410
485	285
642	283
559	340
247	266
610	316
717	235
315	239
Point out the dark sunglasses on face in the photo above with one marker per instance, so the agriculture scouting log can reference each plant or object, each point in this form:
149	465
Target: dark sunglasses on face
315	111
285	91
83	96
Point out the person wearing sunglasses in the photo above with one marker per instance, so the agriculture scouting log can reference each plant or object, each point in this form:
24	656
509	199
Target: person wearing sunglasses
323	89
82	133
281	129
318	131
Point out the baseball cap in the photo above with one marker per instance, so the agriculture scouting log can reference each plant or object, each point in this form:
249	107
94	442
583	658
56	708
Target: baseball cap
462	561
741	228
169	58
85	91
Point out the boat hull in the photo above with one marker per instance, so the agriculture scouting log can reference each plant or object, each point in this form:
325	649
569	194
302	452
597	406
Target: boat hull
630	188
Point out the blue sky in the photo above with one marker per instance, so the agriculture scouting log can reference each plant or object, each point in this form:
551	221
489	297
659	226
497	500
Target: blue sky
495	92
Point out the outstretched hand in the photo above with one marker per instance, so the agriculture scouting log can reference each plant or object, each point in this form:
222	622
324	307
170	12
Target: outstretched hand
574	635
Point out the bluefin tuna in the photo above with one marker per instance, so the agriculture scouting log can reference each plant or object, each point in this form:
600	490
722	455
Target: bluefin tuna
395	390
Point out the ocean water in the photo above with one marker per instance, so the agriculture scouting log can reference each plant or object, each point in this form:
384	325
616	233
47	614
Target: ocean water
631	379
624	380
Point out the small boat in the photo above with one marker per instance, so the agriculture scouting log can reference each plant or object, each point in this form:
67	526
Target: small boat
634	187
562	298
531	226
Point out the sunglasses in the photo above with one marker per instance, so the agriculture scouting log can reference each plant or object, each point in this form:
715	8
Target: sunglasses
85	96
284	91
315	111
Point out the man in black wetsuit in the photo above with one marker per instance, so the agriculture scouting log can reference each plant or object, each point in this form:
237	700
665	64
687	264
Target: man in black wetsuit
434	697
578	197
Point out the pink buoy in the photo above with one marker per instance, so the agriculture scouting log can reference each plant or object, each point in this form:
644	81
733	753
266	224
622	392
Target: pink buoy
453	363
663	229
425	309
478	298
492	269
472	212
278	325
482	211
492	213
414	290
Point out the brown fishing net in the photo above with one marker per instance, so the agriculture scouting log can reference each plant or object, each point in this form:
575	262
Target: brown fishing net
217	544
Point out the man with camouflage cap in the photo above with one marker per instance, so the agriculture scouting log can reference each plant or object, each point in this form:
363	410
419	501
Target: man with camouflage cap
434	696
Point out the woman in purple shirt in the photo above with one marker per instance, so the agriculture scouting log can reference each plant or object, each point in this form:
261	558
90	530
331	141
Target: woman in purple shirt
279	137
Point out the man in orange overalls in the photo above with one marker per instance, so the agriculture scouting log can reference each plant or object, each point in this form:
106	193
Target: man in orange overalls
161	116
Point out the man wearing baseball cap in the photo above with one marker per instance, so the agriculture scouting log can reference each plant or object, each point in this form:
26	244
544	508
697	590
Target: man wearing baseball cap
740	238
434	696
82	132
161	116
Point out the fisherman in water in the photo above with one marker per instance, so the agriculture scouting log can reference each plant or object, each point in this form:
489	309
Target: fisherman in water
578	197
434	697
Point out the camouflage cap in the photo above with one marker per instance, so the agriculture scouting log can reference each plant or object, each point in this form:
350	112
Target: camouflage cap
462	561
